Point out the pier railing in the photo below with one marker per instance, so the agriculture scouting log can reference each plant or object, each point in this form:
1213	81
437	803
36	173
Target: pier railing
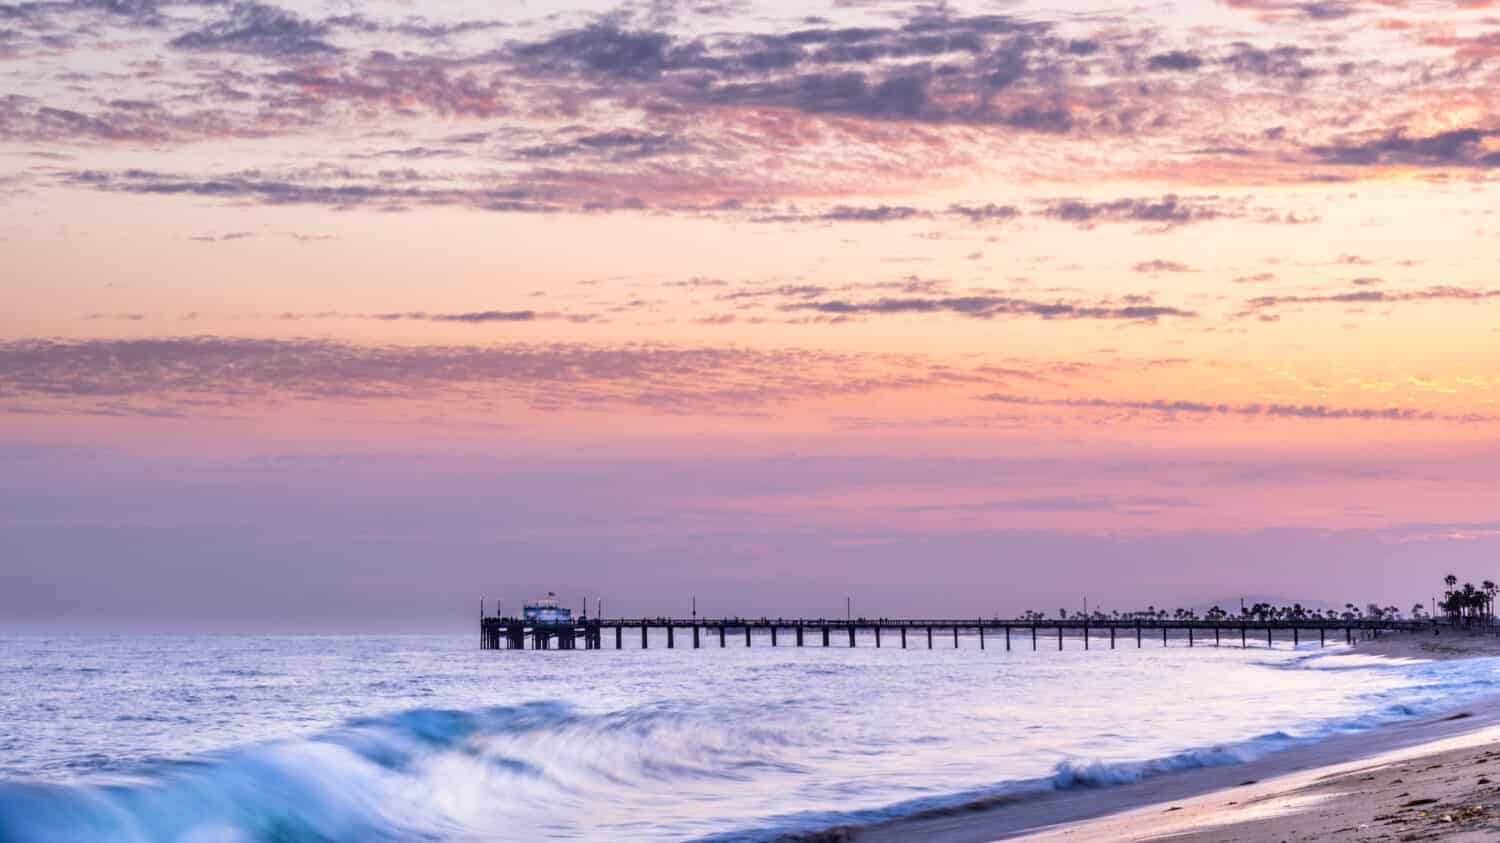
592	633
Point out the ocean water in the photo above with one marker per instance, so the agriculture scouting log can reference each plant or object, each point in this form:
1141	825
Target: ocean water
324	738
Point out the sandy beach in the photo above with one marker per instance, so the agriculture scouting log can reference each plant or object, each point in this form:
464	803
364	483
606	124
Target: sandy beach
1435	778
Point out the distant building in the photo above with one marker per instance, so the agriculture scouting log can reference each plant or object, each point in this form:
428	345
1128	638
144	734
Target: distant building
546	611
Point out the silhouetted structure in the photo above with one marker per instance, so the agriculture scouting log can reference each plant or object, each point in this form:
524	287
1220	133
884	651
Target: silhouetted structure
592	633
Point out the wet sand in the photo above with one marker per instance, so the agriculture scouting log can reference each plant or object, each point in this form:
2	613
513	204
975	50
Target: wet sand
1425	645
1446	789
1370	786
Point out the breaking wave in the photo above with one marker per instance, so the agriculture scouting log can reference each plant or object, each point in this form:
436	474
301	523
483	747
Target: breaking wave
419	774
668	769
431	774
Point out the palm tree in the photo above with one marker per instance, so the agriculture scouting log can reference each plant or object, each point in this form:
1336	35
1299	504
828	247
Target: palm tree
1489	599
1465	604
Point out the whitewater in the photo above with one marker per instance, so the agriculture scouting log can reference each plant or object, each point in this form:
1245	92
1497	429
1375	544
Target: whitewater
193	739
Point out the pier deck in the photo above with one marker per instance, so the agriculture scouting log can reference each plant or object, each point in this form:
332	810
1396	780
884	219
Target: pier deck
498	633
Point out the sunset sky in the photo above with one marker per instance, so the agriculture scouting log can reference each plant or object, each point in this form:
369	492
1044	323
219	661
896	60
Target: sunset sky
336	315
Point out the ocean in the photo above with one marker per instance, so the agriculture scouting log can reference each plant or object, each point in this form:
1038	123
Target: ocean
233	739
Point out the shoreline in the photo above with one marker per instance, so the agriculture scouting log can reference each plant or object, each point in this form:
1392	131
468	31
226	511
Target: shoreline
1441	789
1185	804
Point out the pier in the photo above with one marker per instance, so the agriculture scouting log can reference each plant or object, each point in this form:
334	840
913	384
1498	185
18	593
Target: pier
509	633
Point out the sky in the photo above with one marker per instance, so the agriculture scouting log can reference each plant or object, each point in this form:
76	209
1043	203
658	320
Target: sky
338	316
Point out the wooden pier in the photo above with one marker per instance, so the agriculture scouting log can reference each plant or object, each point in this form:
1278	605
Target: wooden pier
504	633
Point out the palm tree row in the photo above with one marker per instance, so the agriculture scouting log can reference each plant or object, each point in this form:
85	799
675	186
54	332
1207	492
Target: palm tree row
1259	612
1468	604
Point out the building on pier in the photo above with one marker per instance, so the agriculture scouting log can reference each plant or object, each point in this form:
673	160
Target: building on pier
546	611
